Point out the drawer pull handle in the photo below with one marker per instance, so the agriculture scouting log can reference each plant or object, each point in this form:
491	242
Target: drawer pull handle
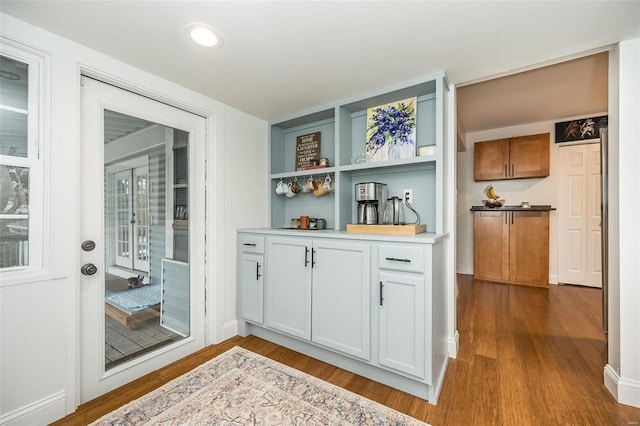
395	259
306	256
249	244
258	271
313	257
381	298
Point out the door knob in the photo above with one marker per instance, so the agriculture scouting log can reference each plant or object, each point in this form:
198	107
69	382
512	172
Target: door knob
89	269
88	245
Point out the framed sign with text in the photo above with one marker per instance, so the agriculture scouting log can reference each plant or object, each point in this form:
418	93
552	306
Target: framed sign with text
307	150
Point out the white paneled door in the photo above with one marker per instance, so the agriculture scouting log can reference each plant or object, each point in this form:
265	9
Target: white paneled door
129	218
579	216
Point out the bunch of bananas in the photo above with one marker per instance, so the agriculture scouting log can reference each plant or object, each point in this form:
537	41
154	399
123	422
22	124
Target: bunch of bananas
490	193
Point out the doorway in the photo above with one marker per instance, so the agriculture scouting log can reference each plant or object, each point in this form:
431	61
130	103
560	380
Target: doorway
141	293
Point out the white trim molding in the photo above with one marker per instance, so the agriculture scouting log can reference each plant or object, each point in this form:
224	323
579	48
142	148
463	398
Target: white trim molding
623	390
453	344
39	412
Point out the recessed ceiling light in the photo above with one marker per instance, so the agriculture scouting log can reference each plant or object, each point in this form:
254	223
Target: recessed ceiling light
204	35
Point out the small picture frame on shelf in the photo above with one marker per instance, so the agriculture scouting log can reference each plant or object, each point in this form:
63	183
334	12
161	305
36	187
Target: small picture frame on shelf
391	131
307	150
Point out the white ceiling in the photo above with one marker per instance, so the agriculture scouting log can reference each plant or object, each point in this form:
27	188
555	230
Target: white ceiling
280	58
565	90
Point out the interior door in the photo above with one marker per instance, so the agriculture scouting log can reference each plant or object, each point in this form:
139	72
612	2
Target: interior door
122	333
579	216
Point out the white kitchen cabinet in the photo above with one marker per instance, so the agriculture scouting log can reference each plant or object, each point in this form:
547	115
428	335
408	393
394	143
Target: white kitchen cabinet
340	296
322	298
289	286
319	291
251	287
251	278
401	329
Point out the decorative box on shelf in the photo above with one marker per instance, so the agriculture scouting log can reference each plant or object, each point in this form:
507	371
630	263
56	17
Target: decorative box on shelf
386	229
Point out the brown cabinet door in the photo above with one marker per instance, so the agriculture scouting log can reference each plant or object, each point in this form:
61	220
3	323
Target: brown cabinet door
491	245
490	159
529	247
529	156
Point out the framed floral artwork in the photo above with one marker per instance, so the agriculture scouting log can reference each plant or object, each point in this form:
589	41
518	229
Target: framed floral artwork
391	130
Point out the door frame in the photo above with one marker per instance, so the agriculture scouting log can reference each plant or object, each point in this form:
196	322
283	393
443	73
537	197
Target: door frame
214	159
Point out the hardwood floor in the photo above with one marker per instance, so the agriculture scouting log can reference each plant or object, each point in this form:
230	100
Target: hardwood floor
527	356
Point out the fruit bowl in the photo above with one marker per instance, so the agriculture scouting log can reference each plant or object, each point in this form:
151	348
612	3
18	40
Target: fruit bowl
493	203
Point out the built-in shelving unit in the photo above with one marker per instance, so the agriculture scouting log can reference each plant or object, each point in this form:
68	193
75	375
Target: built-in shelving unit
343	128
180	199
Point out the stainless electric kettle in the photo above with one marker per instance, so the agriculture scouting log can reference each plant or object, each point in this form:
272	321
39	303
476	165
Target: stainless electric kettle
394	211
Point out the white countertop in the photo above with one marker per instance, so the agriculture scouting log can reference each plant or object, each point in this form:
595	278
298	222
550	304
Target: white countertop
424	238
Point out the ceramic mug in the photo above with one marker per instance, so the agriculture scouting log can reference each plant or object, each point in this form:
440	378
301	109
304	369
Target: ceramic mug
319	191
310	185
295	223
295	186
281	187
304	222
290	193
328	184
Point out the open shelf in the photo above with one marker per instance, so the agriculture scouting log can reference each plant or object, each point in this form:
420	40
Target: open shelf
342	127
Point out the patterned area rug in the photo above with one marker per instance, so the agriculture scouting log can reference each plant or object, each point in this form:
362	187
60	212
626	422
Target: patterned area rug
240	387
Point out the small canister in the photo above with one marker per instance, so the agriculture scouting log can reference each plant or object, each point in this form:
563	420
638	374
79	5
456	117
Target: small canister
324	162
321	223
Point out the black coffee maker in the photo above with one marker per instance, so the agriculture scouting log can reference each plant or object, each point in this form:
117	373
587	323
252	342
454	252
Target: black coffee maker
370	198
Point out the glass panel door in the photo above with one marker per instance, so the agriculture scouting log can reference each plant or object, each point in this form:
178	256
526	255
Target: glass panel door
142	236
141	219
147	280
123	214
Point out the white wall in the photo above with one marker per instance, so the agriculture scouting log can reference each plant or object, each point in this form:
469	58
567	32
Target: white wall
538	191
246	189
622	373
39	316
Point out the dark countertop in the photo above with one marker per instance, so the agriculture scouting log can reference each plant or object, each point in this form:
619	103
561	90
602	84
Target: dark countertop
511	208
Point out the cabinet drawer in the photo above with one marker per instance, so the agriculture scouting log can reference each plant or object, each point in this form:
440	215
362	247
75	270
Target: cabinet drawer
251	243
401	258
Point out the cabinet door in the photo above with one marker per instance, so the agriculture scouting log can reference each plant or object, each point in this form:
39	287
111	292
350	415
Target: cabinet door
251	287
341	297
491	245
289	286
490	159
529	248
529	156
402	323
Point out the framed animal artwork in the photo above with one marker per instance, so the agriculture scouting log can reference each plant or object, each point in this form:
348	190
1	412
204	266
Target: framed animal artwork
581	129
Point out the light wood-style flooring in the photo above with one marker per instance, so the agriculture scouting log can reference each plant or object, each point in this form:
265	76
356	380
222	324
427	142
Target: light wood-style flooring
527	356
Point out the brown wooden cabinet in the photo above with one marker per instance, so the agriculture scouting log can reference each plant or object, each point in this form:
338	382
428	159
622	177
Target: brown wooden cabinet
511	246
512	158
